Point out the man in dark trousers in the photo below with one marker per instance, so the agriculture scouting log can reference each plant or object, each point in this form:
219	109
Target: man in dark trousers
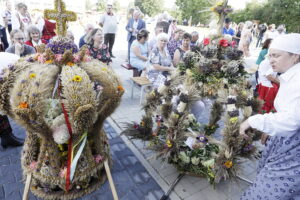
109	23
134	25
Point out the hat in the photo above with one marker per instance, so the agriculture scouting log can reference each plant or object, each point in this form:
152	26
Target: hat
288	42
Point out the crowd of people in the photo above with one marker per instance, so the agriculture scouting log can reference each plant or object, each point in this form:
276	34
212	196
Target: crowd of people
277	75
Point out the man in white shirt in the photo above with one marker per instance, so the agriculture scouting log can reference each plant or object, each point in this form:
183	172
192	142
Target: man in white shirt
109	23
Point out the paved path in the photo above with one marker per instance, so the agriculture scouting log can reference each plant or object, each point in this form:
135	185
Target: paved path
132	180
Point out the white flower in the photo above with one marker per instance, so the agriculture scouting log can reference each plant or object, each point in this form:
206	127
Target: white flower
195	160
61	134
181	107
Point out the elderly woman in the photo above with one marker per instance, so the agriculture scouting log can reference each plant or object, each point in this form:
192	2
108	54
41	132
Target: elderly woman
18	47
279	168
246	38
185	46
97	49
175	41
34	35
139	52
160	60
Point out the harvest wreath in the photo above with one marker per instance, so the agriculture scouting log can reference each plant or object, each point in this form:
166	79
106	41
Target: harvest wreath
215	71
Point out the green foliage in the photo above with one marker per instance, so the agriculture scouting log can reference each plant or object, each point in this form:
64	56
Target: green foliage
101	5
191	8
149	7
272	12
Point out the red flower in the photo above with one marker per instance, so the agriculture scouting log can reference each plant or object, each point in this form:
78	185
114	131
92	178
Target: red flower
223	43
206	41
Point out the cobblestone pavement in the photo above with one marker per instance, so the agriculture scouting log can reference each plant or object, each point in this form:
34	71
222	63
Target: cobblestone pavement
131	179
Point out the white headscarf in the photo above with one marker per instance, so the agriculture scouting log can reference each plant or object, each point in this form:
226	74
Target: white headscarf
289	43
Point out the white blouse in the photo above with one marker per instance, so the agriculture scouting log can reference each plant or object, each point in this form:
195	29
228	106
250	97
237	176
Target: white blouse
264	70
286	121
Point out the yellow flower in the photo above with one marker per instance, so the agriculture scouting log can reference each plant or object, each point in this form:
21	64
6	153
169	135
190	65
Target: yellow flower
189	72
233	119
77	78
23	105
104	69
142	123
70	64
169	143
228	164
244	93
49	62
153	93
32	75
220	3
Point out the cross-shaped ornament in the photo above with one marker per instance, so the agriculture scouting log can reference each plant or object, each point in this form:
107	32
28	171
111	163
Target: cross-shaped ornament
61	16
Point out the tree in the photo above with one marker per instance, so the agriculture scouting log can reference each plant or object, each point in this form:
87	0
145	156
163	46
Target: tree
272	12
193	8
149	7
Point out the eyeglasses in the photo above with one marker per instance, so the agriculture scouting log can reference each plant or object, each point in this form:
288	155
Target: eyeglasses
19	39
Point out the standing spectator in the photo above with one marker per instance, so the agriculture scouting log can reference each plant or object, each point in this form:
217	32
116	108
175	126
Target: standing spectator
227	29
175	42
278	169
161	61
34	36
21	19
180	51
109	23
195	37
7	16
153	41
164	22
97	49
172	29
139	52
246	39
262	29
18	47
237	36
264	51
133	26
48	30
270	33
3	38
88	29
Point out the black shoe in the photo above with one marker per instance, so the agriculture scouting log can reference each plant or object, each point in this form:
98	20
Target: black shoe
8	139
112	56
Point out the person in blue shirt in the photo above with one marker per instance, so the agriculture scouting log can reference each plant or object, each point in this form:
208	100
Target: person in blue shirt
227	29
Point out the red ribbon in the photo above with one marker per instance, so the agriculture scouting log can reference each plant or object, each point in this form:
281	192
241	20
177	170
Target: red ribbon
68	181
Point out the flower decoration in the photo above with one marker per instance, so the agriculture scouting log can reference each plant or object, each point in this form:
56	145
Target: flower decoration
104	69
32	75
98	158
33	165
77	78
48	61
120	88
233	120
70	64
202	138
169	144
23	105
223	43
58	57
206	41
142	123
228	164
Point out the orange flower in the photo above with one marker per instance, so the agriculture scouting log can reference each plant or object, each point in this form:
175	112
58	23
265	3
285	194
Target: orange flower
49	62
120	88
228	164
70	64
23	105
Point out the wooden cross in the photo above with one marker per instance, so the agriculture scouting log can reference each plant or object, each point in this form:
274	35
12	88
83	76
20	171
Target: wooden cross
222	18
61	16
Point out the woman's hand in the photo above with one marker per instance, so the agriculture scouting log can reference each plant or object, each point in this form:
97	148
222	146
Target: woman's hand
18	48
243	127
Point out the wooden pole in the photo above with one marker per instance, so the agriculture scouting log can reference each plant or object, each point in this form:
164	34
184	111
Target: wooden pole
110	180
27	187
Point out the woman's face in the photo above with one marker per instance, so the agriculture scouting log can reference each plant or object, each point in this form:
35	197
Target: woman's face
281	61
23	10
98	37
162	42
186	42
19	38
35	36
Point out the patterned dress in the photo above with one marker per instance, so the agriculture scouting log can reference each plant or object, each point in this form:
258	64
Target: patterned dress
172	46
101	54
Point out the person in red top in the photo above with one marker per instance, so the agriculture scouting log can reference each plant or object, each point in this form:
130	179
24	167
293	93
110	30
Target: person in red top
49	30
34	36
